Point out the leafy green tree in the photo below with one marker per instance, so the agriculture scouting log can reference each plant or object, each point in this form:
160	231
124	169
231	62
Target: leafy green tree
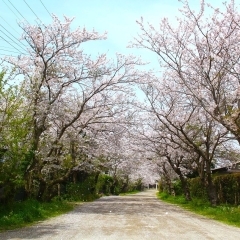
14	135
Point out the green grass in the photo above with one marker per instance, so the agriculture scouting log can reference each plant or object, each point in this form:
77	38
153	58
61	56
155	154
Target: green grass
25	213
128	193
224	213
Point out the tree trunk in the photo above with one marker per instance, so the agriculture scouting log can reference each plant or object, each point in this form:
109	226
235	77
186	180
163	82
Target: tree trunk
168	181
201	171
185	186
170	187
210	187
41	190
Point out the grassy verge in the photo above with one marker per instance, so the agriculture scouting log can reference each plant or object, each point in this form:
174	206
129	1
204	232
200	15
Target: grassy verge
224	213
25	213
128	193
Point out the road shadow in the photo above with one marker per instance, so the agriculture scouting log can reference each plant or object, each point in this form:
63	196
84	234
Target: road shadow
130	204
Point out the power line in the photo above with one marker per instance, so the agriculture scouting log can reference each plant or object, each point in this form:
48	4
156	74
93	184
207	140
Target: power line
46	8
12	40
9	25
7	51
5	47
11	10
11	34
18	12
32	11
11	44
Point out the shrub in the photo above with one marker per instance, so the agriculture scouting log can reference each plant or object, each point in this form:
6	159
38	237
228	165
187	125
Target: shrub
104	184
177	185
82	191
197	189
228	188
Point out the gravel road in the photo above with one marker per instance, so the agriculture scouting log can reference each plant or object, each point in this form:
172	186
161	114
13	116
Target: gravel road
139	216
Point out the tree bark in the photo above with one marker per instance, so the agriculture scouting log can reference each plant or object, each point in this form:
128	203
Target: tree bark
41	190
184	183
210	187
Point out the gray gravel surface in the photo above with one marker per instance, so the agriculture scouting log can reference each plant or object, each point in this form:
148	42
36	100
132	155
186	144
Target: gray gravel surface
139	216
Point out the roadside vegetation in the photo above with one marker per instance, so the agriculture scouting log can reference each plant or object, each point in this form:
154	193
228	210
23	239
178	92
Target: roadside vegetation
227	209
225	213
129	193
20	214
16	214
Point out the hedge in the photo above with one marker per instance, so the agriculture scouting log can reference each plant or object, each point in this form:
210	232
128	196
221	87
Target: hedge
227	187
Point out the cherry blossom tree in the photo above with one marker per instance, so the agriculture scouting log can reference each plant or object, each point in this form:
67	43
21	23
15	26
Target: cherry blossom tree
199	60
118	148
165	154
167	175
201	55
182	132
69	94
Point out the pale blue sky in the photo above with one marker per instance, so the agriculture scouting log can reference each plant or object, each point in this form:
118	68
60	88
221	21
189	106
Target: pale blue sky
117	17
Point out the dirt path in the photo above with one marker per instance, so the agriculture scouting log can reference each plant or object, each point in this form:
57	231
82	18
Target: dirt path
140	216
